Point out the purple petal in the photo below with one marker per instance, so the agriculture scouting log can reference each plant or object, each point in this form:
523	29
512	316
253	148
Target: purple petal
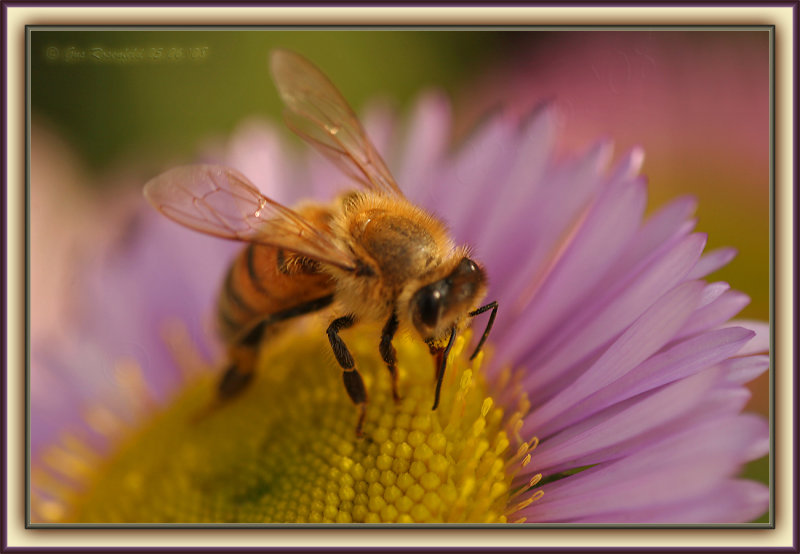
136	332
718	403
256	149
561	200
670	472
712	261
599	320
733	501
379	123
606	228
657	232
567	286
464	194
425	144
760	343
621	422
645	336
744	370
679	361
58	393
629	165
714	313
712	292
533	151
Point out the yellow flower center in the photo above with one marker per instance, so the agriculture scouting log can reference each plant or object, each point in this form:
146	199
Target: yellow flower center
286	450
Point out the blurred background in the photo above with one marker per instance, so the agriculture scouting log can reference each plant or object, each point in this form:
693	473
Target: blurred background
111	109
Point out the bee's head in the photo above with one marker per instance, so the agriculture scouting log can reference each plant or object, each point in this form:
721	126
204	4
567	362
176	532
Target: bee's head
436	307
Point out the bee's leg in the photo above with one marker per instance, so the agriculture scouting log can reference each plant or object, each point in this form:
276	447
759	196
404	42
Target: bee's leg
243	353
239	374
490	306
352	379
388	353
234	380
440	359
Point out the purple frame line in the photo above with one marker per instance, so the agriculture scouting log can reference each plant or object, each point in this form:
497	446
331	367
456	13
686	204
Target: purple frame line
564	550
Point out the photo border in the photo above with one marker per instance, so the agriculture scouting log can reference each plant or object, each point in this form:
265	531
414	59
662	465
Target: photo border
781	15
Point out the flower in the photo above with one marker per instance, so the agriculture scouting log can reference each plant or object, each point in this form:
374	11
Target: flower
611	388
678	94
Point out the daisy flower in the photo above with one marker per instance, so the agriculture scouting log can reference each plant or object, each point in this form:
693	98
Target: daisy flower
678	94
611	388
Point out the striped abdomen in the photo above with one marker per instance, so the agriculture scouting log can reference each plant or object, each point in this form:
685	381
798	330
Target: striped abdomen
264	281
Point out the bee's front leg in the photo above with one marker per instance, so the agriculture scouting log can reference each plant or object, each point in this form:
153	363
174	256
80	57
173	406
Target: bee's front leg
440	353
352	378
388	353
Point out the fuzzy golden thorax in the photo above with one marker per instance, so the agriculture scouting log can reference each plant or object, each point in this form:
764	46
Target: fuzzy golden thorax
409	266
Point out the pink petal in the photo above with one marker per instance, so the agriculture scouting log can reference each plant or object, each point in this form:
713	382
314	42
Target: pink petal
718	403
714	313
744	370
672	471
606	228
621	422
646	335
600	320
511	205
466	192
712	261
712	292
733	501
658	231
425	143
256	149
760	343
379	123
629	165
679	361
614	218
561	200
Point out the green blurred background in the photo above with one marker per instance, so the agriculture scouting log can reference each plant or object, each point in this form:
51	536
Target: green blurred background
193	84
137	99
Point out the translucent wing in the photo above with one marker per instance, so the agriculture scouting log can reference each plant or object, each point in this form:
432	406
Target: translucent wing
222	202
319	114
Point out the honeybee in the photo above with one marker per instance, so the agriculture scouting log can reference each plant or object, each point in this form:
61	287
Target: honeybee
370	255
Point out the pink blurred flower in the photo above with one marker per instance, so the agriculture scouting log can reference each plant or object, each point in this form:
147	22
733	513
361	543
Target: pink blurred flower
684	95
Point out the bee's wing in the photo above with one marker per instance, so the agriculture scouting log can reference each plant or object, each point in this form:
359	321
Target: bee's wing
222	202
319	114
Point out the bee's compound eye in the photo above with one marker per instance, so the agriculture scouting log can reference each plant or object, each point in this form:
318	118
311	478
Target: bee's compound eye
466	266
430	301
428	304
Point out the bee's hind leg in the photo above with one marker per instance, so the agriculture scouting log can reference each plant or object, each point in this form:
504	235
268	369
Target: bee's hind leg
239	374
353	382
234	380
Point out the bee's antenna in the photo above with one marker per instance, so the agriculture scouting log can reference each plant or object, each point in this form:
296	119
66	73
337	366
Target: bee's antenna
490	306
442	365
